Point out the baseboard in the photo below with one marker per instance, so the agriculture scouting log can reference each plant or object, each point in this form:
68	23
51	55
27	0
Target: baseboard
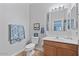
15	54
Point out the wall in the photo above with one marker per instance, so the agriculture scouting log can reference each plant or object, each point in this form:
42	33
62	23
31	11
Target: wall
13	14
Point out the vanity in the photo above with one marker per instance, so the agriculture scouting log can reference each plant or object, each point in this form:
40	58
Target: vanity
62	22
60	47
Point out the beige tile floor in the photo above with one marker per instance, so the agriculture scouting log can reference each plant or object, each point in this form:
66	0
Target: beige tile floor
37	53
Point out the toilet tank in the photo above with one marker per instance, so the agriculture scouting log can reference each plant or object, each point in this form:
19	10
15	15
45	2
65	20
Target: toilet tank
35	40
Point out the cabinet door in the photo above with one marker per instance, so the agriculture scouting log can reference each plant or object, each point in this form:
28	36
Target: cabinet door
66	52
60	51
69	52
49	51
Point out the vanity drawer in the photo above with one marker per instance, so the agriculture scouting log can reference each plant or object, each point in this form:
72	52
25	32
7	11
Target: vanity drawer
60	44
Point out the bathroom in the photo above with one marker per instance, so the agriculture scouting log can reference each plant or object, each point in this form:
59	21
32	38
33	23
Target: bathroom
51	13
38	22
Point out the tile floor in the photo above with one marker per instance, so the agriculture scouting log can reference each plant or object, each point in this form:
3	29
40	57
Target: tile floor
37	53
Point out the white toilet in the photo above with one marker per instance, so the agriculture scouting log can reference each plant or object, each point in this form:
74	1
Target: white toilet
31	46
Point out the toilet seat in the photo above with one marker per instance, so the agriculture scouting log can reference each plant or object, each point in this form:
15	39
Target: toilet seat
30	45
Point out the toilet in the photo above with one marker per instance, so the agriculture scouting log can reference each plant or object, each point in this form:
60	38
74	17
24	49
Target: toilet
31	46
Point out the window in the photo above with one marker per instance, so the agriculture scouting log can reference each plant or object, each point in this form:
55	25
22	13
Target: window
58	25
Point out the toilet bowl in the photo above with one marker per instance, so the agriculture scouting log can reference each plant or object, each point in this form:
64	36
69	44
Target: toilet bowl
29	48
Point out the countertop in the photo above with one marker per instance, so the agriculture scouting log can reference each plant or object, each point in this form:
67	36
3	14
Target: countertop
63	40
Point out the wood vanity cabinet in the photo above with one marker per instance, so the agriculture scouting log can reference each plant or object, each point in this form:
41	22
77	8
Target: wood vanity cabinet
52	48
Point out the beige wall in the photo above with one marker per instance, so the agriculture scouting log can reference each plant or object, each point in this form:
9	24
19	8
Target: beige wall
13	14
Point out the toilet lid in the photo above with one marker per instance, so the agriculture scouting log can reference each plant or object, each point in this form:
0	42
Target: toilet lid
30	45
